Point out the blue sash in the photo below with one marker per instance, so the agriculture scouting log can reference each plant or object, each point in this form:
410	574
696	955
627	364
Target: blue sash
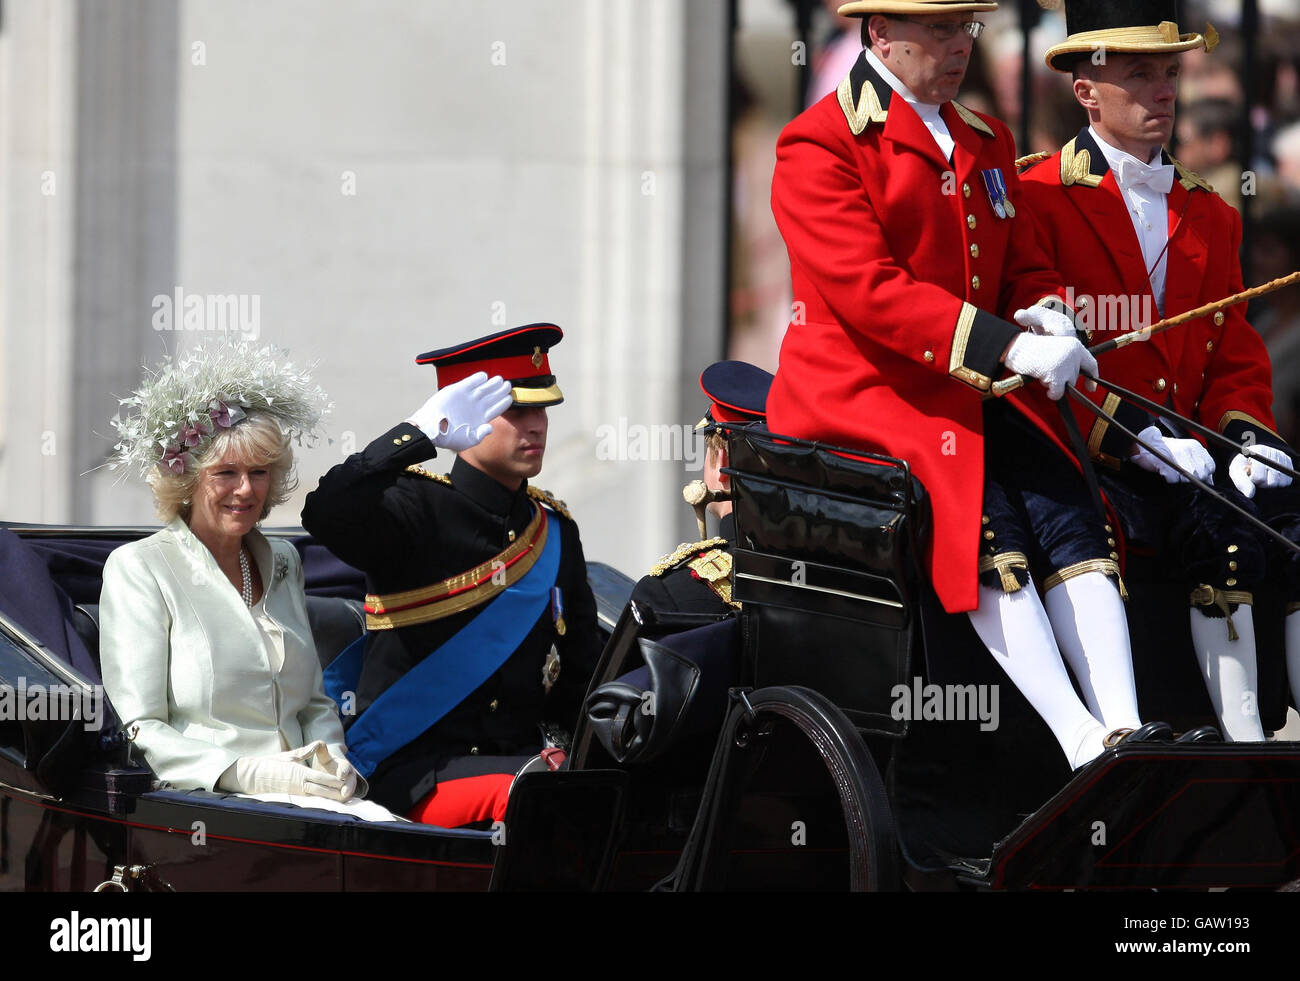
443	679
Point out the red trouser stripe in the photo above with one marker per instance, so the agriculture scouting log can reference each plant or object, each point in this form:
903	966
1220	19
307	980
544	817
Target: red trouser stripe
464	801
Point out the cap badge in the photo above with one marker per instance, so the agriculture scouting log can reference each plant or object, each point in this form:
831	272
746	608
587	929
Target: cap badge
537	357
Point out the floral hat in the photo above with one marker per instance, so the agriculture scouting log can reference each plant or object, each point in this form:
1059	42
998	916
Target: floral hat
170	420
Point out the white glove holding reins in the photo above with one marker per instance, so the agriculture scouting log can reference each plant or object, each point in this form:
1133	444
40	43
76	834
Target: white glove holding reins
1248	474
1045	322
1187	453
1055	361
460	415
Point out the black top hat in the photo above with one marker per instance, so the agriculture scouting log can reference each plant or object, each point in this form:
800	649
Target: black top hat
1122	27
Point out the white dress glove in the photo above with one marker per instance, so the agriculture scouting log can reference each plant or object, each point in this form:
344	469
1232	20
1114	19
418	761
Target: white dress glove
337	765
269	775
1187	453
1055	361
1248	474
1045	321
460	415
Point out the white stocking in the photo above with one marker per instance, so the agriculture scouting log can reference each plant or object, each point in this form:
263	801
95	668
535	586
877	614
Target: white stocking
1293	655
1087	617
1014	627
1228	667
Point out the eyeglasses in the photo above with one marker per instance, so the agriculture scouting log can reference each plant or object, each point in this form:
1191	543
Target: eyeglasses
948	30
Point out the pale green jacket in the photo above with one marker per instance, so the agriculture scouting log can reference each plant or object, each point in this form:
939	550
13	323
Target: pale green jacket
183	660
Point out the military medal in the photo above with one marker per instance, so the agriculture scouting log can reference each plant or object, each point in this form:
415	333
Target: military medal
557	609
551	669
995	185
991	189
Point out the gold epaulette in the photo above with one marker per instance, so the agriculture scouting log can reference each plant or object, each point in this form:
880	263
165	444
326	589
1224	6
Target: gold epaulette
683	551
550	500
1030	159
1190	180
419	471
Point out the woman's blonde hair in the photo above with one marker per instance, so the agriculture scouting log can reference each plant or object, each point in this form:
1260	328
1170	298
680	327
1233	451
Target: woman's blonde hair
256	440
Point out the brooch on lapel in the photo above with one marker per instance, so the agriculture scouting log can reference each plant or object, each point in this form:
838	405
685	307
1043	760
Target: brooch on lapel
281	567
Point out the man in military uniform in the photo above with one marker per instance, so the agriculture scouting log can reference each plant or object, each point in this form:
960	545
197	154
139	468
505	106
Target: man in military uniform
481	628
910	256
1142	237
696	577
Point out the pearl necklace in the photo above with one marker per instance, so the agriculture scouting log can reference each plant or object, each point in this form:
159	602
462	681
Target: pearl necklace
247	575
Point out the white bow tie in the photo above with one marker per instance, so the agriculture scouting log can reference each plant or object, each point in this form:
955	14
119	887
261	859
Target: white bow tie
1133	173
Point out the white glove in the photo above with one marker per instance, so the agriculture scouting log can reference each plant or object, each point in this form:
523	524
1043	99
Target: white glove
460	415
1055	361
1187	453
270	775
336	764
1247	473
1045	321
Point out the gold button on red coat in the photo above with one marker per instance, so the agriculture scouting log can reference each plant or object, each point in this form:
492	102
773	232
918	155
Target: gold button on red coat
970	221
1160	385
1218	319
965	189
974	251
929	357
974	282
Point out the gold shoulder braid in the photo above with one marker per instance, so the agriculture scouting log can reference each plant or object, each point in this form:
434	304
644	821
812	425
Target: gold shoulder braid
419	471
1076	167
684	551
550	500
713	568
971	120
1190	180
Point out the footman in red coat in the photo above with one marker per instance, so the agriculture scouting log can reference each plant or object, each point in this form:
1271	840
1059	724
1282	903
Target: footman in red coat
1141	237
910	256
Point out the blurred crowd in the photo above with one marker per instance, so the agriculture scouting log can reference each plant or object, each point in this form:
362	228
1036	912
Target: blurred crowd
1213	106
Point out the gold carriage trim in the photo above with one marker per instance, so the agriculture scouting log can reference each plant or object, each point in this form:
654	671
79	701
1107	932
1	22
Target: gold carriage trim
683	551
463	591
1107	567
1005	563
1206	595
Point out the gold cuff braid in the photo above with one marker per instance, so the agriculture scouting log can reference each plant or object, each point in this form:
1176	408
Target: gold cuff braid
1005	563
1107	567
1206	595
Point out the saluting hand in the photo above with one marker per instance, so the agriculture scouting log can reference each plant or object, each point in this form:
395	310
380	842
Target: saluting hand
460	415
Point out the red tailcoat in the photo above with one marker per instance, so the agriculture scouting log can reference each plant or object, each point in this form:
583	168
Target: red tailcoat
1214	370
899	265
